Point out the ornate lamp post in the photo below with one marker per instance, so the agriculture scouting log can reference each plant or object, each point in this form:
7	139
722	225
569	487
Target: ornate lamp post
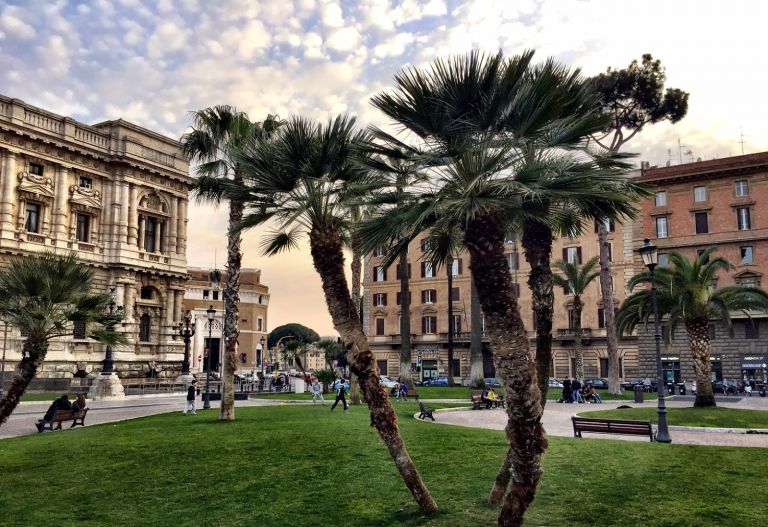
262	343
207	396
115	315
186	332
650	255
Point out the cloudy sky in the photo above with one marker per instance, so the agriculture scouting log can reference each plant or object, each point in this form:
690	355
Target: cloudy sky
151	62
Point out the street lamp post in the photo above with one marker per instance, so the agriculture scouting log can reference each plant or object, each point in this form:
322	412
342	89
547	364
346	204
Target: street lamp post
263	343
115	314
650	256
207	396
186	332
2	365
279	341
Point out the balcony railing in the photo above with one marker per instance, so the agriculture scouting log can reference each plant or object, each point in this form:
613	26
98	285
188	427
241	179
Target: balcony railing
570	333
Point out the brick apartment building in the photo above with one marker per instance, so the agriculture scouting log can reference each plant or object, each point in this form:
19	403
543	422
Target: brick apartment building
720	203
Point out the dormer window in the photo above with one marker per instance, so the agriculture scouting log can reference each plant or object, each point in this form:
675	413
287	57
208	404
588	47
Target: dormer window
36	169
146	293
86	182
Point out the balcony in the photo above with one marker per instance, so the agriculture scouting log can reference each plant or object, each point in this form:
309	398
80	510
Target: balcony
570	334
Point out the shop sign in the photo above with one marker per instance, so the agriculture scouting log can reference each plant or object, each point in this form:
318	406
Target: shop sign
670	359
754	361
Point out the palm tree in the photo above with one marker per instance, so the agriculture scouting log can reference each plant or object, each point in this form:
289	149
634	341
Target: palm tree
42	296
574	281
216	134
304	181
686	296
476	366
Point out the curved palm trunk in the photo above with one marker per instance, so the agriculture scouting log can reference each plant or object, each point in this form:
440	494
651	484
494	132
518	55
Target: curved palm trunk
328	260
484	238
537	244
606	288
578	306
231	314
476	373
405	323
357	267
450	321
698	340
25	372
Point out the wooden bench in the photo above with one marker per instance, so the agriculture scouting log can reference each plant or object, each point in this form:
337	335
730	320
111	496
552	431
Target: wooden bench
611	426
478	404
425	412
61	417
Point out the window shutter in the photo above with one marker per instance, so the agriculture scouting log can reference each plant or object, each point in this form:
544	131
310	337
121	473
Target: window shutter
565	254
384	295
423	297
385	275
434	295
409	270
398	298
460	266
612	225
397	272
596	225
375	274
423	272
578	255
610	252
517	260
423	325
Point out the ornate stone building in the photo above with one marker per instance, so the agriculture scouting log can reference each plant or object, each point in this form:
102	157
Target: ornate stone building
116	194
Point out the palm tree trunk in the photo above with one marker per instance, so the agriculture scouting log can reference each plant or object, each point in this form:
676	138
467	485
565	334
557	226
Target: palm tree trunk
328	258
577	308
450	320
698	340
231	314
484	238
405	322
606	287
357	267
25	372
476	373
537	244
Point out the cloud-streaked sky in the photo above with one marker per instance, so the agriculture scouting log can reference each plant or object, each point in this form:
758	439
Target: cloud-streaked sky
153	61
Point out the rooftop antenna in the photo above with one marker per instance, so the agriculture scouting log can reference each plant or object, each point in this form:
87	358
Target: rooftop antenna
741	133
679	150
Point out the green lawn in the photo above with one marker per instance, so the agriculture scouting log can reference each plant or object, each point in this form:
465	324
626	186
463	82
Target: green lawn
303	466
713	417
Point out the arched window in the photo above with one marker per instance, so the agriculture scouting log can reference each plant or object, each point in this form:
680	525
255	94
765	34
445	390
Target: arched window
144	328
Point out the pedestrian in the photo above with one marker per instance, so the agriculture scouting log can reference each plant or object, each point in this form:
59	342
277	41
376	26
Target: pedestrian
567	390
341	395
62	403
316	388
576	391
191	392
403	392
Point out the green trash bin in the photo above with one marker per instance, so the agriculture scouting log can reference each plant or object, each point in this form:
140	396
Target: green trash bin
638	393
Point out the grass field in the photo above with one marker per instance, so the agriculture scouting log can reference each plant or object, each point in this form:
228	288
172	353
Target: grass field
713	417
303	466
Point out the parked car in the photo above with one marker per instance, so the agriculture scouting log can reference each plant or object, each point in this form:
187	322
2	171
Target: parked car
492	382
727	387
435	381
387	382
597	383
554	383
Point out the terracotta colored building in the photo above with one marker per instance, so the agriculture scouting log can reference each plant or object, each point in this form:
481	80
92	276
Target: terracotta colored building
718	203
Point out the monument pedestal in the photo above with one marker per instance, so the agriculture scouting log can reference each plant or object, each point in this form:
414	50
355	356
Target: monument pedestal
106	387
185	379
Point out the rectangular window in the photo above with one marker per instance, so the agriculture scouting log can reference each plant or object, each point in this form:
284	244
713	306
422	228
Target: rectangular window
382	367
699	194
429	296
456	267
379	274
427	270
379	326
663	260
661	198
513	261
604	367
752	329
600	317
215	295
456	324
610	251
379	299
662	230
33	218
742	189
425	245
610	226
455	294
746	254
429	325
205	294
702	225
570	318
378	251
259	324
83	227
36	169
79	330
572	255
150	235
743	217
85	182
456	368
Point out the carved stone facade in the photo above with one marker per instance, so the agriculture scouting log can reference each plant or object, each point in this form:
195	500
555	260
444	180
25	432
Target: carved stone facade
117	195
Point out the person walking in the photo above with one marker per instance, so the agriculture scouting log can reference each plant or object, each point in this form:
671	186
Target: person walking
576	390
341	395
190	405
316	388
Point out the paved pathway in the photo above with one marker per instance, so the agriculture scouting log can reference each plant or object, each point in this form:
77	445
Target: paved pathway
557	422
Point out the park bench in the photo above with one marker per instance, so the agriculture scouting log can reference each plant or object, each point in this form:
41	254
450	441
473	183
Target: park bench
478	404
611	426
62	416
425	412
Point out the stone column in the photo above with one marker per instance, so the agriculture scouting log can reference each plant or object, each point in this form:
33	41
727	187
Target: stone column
178	306
130	301
9	194
124	207
60	203
133	223
173	225
170	305
160	242
102	235
181	228
140	243
116	190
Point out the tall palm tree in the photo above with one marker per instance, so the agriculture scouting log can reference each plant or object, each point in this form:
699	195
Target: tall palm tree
462	109
686	296
42	296
304	181
217	132
476	366
574	280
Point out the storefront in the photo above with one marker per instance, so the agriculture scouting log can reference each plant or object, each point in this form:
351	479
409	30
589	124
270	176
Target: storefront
429	360
670	369
754	369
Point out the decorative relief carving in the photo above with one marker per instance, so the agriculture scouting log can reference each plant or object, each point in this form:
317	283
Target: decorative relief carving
87	197
38	186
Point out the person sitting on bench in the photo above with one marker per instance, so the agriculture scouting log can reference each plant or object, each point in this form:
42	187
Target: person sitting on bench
485	398
62	403
591	395
79	404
